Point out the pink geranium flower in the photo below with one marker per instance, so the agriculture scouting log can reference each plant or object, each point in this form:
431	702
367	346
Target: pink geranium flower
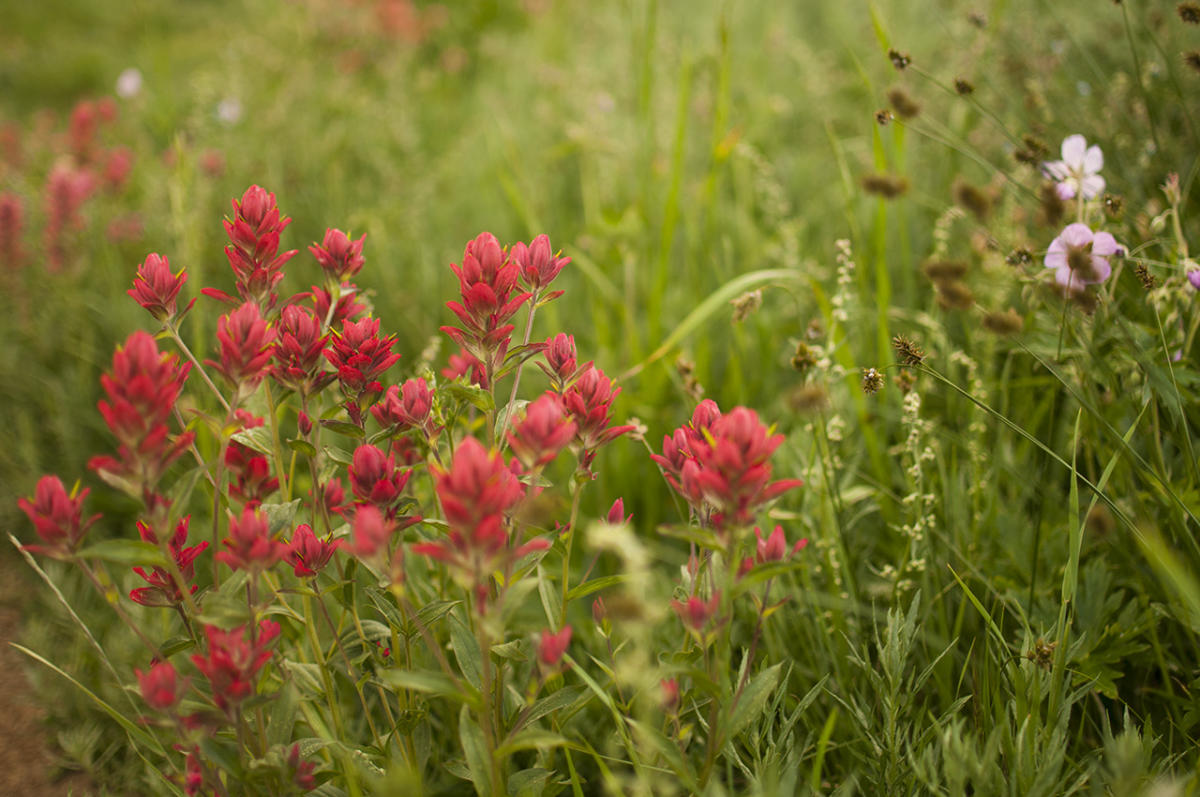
1078	171
1079	256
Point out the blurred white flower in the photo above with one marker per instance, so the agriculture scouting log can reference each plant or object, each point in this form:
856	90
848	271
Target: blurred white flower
1078	171
229	110
129	83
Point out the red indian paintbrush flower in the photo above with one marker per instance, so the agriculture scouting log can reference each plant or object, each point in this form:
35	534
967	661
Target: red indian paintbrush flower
775	548
156	289
361	356
245	346
370	532
253	252
250	544
306	553
331	315
163	590
405	407
696	613
476	492
297	351
561	364
338	255
486	281
552	646
589	401
141	392
538	264
467	365
233	662
544	431
162	688
375	480
66	191
57	517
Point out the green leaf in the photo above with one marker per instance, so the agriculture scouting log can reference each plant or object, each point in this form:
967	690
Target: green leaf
429	682
339	455
344	428
466	650
125	552
478	760
471	394
430	613
303	446
595	585
548	705
530	739
702	537
283	715
280	516
516	650
753	699
529	782
258	439
176	644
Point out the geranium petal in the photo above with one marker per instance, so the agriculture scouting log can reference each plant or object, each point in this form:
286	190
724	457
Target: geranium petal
1073	150
1101	268
1093	160
1092	186
1076	234
1105	245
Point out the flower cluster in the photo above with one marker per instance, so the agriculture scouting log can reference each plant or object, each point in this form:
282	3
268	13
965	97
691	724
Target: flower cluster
164	590
253	251
57	517
233	662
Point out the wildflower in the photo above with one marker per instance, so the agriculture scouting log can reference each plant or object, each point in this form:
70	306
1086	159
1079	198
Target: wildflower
129	83
251	546
552	646
537	263
1078	171
375	480
1019	257
245	347
487	278
746	305
297	351
361	356
616	513
330	313
774	547
300	772
1079	256
728	469
250	471
141	391
1193	277
804	357
117	167
872	380
405	407
229	111
57	517
212	162
66	191
697	614
599	612
589	402
544	431
466	365
162	689
163	589
1144	275
476	492
883	117
370	532
306	553
253	252
899	60
233	662
562	364
338	255
82	130
12	219
670	695
155	288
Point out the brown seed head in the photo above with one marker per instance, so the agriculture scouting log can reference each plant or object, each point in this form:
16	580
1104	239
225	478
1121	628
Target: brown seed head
1192	59
972	198
963	87
1019	256
907	351
804	358
902	103
883	117
1143	274
1189	13
939	270
905	381
872	381
807	399
1004	322
955	295
884	185
899	60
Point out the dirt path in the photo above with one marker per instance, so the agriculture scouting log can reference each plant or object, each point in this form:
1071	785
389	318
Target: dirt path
26	763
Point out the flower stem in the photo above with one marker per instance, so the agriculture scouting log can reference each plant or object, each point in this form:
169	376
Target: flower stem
512	396
566	566
183	347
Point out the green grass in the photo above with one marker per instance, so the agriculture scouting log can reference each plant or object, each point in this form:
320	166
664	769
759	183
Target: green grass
1001	595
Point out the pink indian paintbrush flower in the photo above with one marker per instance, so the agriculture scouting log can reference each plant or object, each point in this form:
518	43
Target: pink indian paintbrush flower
466	365
775	548
589	402
163	589
697	614
250	545
552	646
405	407
308	554
299	343
245	347
616	513
361	357
161	686
57	517
370	532
156	289
12	222
67	189
141	391
561	361
117	165
233	662
544	430
339	255
1077	174
1079	256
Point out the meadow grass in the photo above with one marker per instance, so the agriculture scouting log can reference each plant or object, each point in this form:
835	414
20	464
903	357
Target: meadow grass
1001	594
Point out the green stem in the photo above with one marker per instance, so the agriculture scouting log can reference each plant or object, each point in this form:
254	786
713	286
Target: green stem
566	566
